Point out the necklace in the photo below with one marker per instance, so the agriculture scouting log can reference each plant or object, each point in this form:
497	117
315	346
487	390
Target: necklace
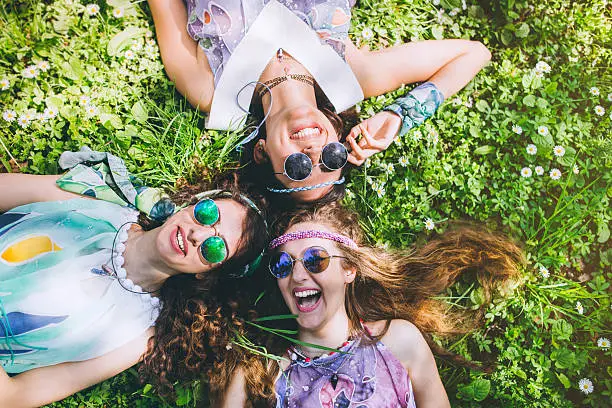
268	85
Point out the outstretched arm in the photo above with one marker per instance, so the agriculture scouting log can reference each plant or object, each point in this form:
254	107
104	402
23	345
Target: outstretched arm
449	64
235	395
42	386
19	189
184	61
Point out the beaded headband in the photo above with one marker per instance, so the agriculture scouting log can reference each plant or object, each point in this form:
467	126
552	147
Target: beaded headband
305	188
293	236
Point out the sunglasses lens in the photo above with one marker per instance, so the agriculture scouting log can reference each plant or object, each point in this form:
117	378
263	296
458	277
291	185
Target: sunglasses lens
298	166
281	264
334	156
214	249
316	259
206	212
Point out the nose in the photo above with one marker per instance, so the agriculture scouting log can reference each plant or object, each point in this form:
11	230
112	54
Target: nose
314	152
299	273
199	234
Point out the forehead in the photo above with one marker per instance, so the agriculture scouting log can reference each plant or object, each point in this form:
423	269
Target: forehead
299	245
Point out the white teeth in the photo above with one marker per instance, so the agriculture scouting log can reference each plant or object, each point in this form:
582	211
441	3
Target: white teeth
307	132
306	293
179	239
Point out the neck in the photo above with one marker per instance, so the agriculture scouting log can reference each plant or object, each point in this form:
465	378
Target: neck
290	93
332	334
140	265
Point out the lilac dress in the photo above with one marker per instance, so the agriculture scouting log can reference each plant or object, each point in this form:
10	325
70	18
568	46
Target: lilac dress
368	376
219	26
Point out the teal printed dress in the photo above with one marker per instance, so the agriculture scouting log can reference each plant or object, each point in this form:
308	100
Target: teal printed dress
60	295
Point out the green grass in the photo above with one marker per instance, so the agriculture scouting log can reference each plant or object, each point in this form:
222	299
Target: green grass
464	164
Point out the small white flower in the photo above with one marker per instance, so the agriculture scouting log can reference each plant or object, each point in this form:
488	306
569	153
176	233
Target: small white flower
603	343
579	308
575	169
367	33
517	129
469	102
136	46
539	74
559	151
454	12
5	84
30	72
526	172
43	66
457	101
91	110
594	91
539	170
151	42
129	54
29	116
23	121
9	115
388	167
543	130
50	113
572	59
433	134
84	100
92	9
118	12
531	149
149	33
379	189
555	174
542	67
585	385
417	135
463	4
544	272
610	97
429	224
599	110
403	161
350	194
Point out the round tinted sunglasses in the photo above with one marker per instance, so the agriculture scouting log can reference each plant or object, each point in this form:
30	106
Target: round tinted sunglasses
213	249
298	166
316	260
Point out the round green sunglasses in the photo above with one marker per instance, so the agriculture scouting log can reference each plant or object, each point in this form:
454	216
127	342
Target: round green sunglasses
213	249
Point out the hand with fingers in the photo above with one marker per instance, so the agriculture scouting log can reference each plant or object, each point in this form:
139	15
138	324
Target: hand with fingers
376	132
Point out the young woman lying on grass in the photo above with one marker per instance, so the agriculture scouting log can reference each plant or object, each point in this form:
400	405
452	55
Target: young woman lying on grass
87	289
376	307
294	65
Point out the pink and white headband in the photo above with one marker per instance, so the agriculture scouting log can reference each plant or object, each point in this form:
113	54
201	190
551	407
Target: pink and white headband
292	236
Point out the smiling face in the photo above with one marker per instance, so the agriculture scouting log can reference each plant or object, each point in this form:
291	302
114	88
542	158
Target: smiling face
179	238
316	298
302	129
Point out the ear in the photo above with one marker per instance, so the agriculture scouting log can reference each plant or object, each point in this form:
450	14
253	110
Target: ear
350	273
259	152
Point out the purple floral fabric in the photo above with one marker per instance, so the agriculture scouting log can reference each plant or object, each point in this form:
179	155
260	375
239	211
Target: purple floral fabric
219	26
369	376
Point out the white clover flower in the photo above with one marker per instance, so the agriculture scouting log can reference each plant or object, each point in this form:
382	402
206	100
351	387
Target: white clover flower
599	110
118	12
50	112
403	161
23	121
367	33
5	84
429	224
43	66
517	129
544	272
9	115
555	174
575	169
531	149
91	110
129	54
579	308
539	170
542	67
559	151
594	91
526	172
454	12
30	72
585	385
610	97
92	9
603	343
543	130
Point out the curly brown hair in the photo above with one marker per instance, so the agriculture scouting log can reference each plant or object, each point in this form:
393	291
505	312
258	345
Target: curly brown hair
198	316
393	284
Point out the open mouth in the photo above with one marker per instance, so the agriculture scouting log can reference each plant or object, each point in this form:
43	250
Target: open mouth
306	133
307	300
179	241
